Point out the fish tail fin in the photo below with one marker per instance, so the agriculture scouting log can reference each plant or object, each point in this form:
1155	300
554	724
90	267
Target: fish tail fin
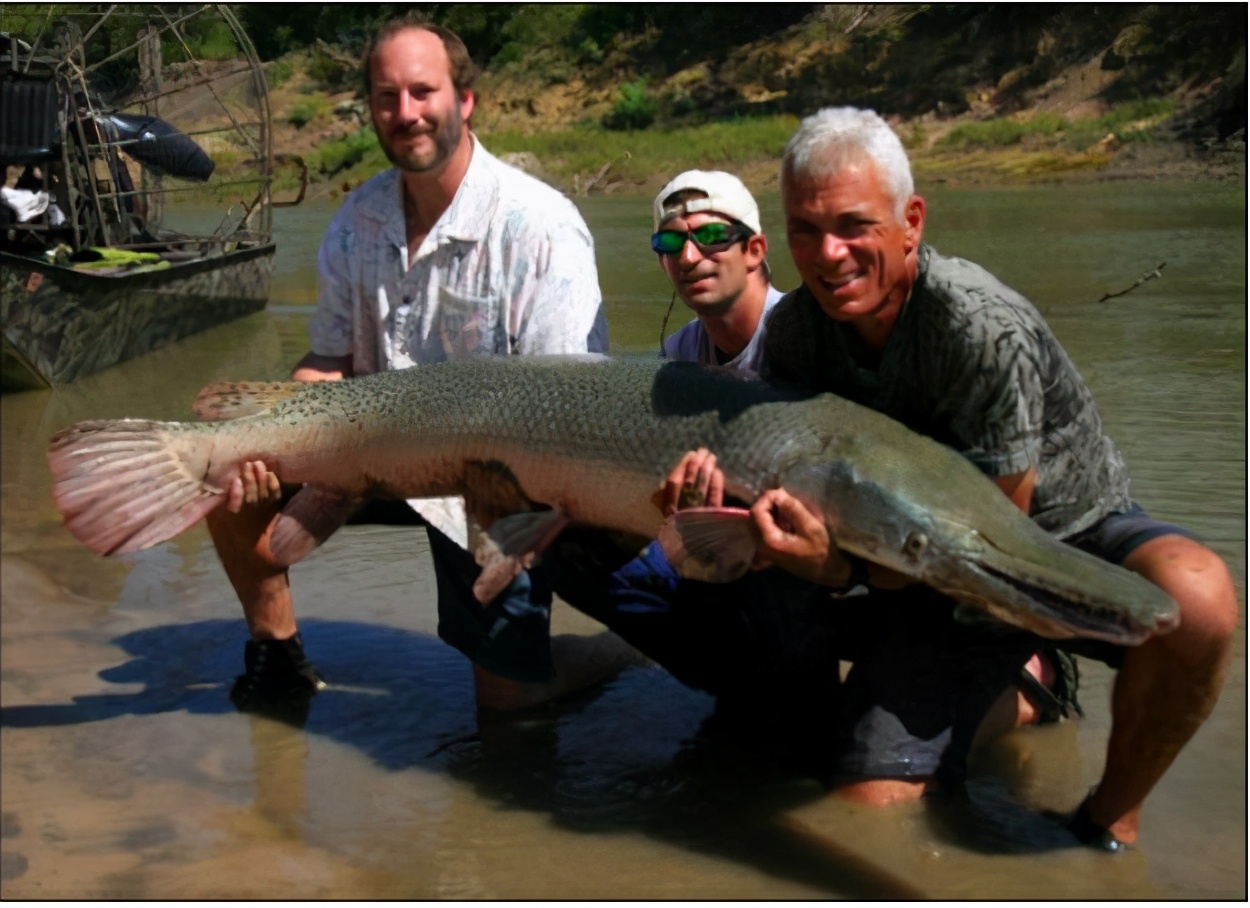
230	400
124	485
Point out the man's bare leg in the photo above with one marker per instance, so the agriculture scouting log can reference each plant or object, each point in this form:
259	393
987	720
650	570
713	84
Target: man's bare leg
263	588
1167	686
278	678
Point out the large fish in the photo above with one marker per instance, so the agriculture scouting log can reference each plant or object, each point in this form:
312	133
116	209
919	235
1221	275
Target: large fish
540	441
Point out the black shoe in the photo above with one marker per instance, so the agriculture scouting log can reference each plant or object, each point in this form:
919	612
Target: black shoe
279	681
1087	832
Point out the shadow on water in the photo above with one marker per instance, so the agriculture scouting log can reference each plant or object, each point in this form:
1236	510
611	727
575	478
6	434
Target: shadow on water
401	698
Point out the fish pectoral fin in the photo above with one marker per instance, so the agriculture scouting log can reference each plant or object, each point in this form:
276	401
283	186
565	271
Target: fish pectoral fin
711	544
307	520
511	545
231	400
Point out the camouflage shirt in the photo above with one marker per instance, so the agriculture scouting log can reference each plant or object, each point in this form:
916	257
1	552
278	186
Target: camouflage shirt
971	363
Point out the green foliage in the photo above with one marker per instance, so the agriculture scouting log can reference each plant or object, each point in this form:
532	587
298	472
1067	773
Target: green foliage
215	42
304	112
635	108
589	52
330	74
279	72
343	154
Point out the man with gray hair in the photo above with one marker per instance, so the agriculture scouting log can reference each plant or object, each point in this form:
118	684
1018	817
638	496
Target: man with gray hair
941	345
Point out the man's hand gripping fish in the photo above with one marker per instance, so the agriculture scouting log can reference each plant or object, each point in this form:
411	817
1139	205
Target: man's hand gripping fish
544	441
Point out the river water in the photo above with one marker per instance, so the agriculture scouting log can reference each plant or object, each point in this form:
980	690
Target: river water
127	774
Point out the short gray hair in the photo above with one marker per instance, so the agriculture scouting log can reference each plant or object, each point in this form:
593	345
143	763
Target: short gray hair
835	138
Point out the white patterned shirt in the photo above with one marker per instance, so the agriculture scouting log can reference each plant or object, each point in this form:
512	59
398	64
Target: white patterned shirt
509	267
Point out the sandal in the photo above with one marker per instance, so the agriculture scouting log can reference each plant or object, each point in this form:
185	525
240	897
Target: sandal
1059	700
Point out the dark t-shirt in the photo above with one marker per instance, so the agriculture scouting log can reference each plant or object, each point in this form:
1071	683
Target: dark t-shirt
970	363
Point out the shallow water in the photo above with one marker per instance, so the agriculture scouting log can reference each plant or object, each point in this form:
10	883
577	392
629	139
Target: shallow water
126	773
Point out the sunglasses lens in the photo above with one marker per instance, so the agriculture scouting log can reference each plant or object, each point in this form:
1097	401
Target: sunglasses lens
712	234
668	242
714	237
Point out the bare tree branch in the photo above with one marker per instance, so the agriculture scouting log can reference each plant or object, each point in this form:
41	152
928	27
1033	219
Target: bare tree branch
1148	276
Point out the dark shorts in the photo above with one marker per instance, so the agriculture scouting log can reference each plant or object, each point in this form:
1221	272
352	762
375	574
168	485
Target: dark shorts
920	681
509	636
919	684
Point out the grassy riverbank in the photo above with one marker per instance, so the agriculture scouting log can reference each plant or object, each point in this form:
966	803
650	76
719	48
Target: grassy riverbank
612	99
588	159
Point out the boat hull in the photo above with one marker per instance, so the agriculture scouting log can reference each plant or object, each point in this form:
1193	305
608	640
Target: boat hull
60	324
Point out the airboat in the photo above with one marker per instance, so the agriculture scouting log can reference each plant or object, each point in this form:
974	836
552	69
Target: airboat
115	120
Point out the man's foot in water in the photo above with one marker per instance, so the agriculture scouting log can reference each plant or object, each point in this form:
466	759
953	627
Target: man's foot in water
278	680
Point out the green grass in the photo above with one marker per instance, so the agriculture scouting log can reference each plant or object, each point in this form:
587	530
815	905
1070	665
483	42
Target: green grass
642	154
304	111
1001	132
1148	112
1075	135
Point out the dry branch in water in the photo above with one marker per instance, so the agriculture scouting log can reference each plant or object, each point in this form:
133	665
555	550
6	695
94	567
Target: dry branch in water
1148	276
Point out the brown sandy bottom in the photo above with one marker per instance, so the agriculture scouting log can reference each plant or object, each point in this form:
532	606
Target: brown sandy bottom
126	774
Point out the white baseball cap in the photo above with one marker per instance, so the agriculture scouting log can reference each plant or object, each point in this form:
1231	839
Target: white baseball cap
725	195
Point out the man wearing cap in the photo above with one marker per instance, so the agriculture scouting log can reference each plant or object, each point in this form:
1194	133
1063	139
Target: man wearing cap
709	243
757	642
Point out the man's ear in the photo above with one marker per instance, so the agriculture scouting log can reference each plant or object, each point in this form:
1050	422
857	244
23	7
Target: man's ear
756	251
913	221
467	102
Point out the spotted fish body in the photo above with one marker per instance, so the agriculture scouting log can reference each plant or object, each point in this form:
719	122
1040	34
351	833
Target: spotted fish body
592	440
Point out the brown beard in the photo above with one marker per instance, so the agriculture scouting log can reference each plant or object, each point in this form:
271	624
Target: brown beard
446	135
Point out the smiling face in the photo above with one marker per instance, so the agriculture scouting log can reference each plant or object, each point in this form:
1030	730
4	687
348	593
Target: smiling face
417	113
710	283
852	252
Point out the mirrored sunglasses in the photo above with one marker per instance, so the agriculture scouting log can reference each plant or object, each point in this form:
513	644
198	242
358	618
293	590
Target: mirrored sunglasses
709	239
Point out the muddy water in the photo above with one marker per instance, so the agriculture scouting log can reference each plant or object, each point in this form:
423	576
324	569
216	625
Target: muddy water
126	774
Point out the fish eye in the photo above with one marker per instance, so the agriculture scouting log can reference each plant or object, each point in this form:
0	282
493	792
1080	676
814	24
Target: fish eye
915	543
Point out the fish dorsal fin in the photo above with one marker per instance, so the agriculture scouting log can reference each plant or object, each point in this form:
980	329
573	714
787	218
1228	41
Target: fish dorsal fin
711	544
233	399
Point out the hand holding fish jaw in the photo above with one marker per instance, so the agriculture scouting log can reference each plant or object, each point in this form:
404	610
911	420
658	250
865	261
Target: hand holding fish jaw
255	484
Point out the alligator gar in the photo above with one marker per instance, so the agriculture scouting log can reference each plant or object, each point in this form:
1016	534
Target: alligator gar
542	441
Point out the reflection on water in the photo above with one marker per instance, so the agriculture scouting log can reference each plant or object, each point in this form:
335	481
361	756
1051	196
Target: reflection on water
127	774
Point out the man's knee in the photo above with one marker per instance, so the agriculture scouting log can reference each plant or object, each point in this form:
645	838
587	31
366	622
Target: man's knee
1197	579
883	792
